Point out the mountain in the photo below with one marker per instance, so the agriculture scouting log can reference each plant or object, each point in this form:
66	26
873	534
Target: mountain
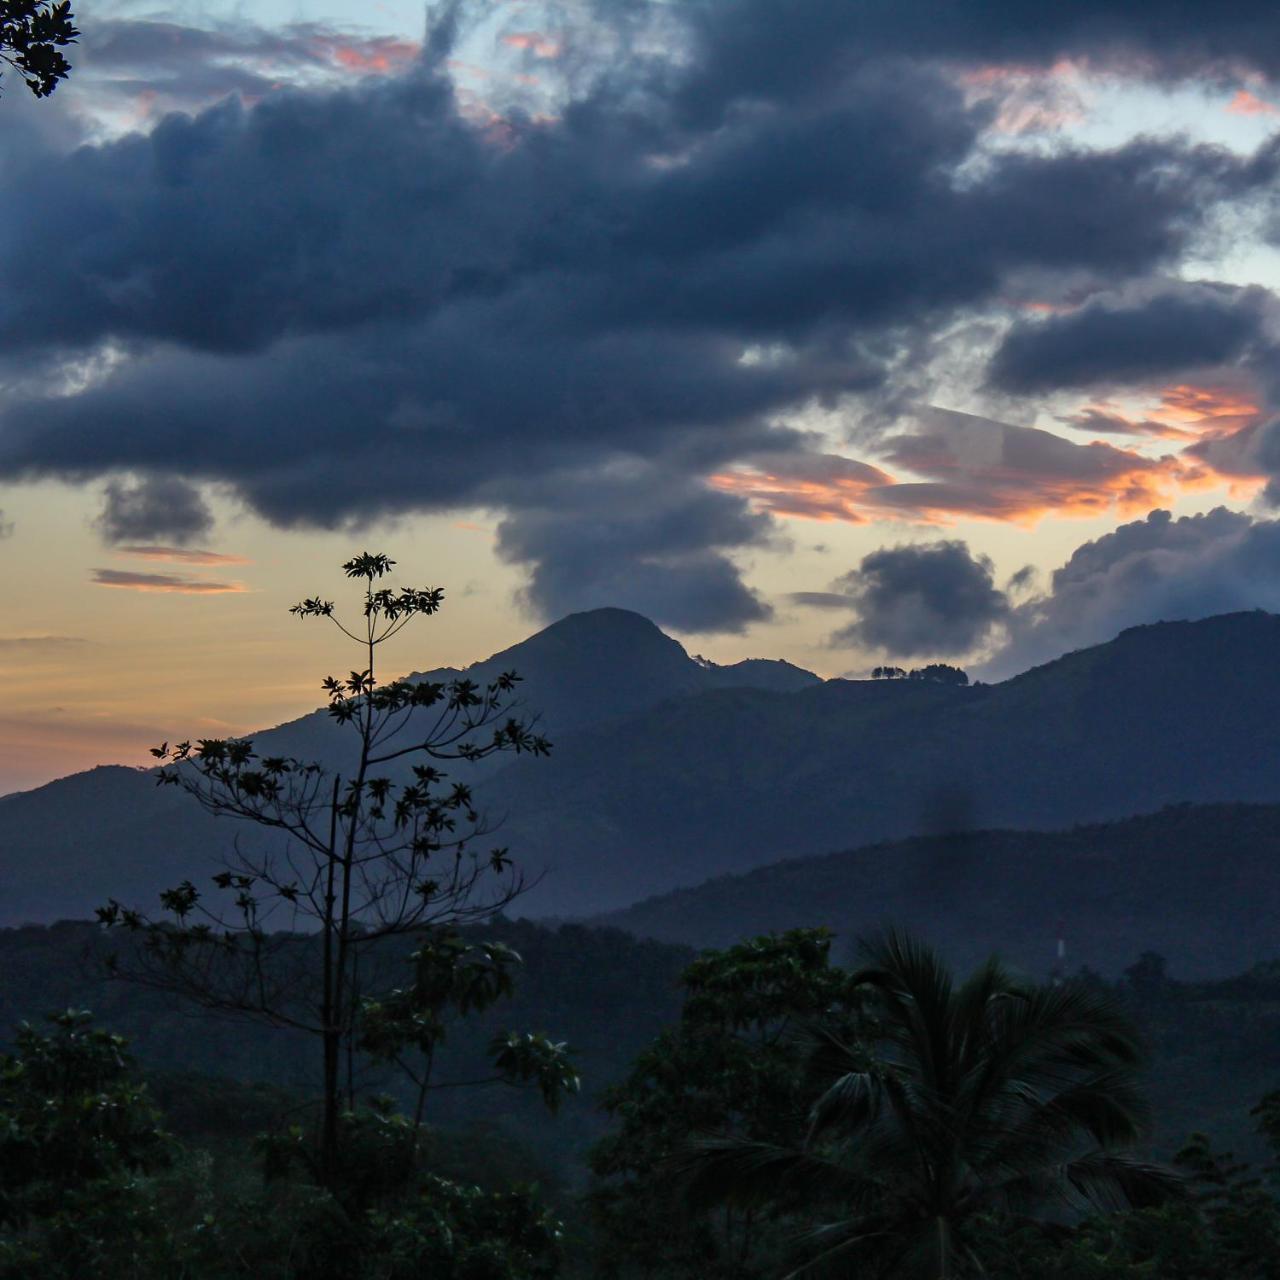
67	847
667	772
730	779
587	669
1197	883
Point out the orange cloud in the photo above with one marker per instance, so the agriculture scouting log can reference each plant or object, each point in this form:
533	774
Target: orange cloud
1206	409
163	582
535	42
182	555
1048	308
1029	98
1182	412
1232	445
998	74
821	486
975	468
968	467
380	55
1246	104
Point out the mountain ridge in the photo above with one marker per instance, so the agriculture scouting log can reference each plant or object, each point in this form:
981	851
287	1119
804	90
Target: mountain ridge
1197	882
673	772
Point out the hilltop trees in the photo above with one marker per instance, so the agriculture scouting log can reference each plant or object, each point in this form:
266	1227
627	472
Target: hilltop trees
933	673
299	930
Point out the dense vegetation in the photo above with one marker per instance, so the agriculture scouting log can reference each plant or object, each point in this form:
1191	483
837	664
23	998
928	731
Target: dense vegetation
184	1185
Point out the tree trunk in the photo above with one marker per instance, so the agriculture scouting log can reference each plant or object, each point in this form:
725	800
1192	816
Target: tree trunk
329	1171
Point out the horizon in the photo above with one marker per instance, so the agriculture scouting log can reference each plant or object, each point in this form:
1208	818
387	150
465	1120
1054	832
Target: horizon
319	710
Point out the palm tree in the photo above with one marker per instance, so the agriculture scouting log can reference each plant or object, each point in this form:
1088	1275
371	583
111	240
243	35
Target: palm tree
962	1100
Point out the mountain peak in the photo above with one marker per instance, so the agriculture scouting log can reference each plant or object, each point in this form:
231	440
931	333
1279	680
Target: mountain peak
619	633
609	616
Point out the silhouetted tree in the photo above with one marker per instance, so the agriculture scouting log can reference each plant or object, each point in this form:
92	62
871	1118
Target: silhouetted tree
77	1129
888	673
735	1062
33	34
987	1096
358	861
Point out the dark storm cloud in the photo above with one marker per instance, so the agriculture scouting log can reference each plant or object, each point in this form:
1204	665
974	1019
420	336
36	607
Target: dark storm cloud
820	599
1149	570
761	50
152	507
1022	580
934	598
1103	423
152	63
652	540
1174	329
347	302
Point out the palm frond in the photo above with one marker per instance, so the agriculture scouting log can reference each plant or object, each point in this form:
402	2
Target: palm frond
851	1103
734	1171
1111	1181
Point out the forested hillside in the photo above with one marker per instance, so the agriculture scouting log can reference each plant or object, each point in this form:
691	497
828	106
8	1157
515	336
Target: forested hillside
669	772
1200	882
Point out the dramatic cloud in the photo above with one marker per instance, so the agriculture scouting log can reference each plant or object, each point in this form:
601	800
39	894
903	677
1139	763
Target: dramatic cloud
153	507
1184	412
1174	329
654	543
346	300
163	582
1147	571
181	555
758	50
996	470
971	467
938	599
812	486
934	599
149	66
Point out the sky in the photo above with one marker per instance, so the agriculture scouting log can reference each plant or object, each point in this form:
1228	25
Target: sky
846	333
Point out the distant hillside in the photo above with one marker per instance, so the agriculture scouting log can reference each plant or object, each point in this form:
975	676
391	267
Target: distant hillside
1200	883
667	772
108	832
727	780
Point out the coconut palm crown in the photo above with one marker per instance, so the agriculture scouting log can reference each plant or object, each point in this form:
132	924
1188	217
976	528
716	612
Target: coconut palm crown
991	1096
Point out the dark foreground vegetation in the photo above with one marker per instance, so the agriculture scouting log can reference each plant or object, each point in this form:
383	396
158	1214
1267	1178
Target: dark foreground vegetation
198	1159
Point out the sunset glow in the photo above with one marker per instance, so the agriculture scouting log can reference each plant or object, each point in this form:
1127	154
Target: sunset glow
566	307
